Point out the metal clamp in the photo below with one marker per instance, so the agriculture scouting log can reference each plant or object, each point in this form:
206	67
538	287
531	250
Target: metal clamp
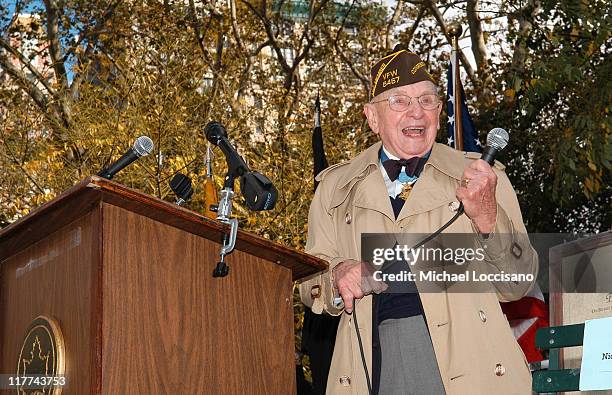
223	215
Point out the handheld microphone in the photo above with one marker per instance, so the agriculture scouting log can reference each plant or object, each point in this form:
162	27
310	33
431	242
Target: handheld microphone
181	186
143	146
497	139
217	135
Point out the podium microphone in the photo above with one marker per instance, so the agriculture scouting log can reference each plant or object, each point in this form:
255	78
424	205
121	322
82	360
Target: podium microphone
143	146
181	186
217	135
258	191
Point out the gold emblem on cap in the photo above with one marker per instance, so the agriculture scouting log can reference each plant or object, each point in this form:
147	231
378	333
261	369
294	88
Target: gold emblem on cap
42	353
383	67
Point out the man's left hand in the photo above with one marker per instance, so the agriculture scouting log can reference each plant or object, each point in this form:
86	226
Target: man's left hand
477	192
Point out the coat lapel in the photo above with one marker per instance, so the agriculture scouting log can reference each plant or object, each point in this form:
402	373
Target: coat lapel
372	195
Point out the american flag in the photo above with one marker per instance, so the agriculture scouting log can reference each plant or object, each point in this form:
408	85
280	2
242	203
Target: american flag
470	134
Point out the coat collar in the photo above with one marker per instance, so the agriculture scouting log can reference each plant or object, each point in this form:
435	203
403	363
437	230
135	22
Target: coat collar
446	160
442	157
358	166
366	167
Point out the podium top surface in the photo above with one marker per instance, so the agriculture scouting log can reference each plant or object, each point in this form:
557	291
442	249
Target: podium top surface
86	195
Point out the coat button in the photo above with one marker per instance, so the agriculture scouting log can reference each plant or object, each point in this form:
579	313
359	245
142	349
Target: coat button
315	292
345	381
500	370
482	315
348	218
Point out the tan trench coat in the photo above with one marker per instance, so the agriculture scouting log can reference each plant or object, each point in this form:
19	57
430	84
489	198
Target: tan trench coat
473	343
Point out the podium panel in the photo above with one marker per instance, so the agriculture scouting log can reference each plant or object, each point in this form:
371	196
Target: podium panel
127	279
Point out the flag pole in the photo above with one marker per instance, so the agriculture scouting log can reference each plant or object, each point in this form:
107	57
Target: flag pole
455	31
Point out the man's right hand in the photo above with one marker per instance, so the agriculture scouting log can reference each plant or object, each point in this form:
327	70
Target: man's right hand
354	280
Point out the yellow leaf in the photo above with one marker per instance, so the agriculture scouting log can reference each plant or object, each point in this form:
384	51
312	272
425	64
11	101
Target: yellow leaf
510	93
590	48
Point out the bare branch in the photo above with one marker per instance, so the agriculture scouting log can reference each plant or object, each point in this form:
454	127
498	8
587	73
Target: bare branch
479	47
365	82
392	22
92	37
410	33
271	36
28	64
234	22
55	48
24	82
440	19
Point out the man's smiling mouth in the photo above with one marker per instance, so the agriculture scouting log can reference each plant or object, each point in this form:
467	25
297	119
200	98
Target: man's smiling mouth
413	131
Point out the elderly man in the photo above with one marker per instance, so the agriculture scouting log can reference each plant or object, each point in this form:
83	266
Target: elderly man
421	342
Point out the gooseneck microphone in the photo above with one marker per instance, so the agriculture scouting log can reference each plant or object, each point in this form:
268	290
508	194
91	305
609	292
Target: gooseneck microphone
217	135
143	146
258	191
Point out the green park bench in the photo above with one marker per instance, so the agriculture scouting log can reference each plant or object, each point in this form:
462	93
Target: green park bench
553	338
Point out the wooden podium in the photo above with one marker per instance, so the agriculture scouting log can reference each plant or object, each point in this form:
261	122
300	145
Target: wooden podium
128	279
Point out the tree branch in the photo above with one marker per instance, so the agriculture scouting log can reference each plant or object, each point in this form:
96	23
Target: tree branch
27	63
440	19
525	17
55	48
365	82
392	22
25	83
410	33
479	48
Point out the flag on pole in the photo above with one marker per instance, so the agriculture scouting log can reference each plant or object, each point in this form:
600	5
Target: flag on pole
526	316
471	143
529	313
318	150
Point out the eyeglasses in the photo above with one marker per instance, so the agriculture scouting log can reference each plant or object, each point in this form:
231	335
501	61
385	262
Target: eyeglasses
400	103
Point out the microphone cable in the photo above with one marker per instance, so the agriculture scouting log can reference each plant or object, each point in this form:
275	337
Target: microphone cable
363	360
460	211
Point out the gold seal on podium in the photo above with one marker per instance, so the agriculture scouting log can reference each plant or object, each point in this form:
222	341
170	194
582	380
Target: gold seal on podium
42	358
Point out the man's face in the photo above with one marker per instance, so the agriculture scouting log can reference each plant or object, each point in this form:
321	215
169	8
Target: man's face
409	133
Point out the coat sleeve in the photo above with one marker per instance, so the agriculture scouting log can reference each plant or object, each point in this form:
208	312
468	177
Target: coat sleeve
317	292
508	249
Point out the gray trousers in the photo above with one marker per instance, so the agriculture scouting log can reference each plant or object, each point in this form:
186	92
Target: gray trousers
408	362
